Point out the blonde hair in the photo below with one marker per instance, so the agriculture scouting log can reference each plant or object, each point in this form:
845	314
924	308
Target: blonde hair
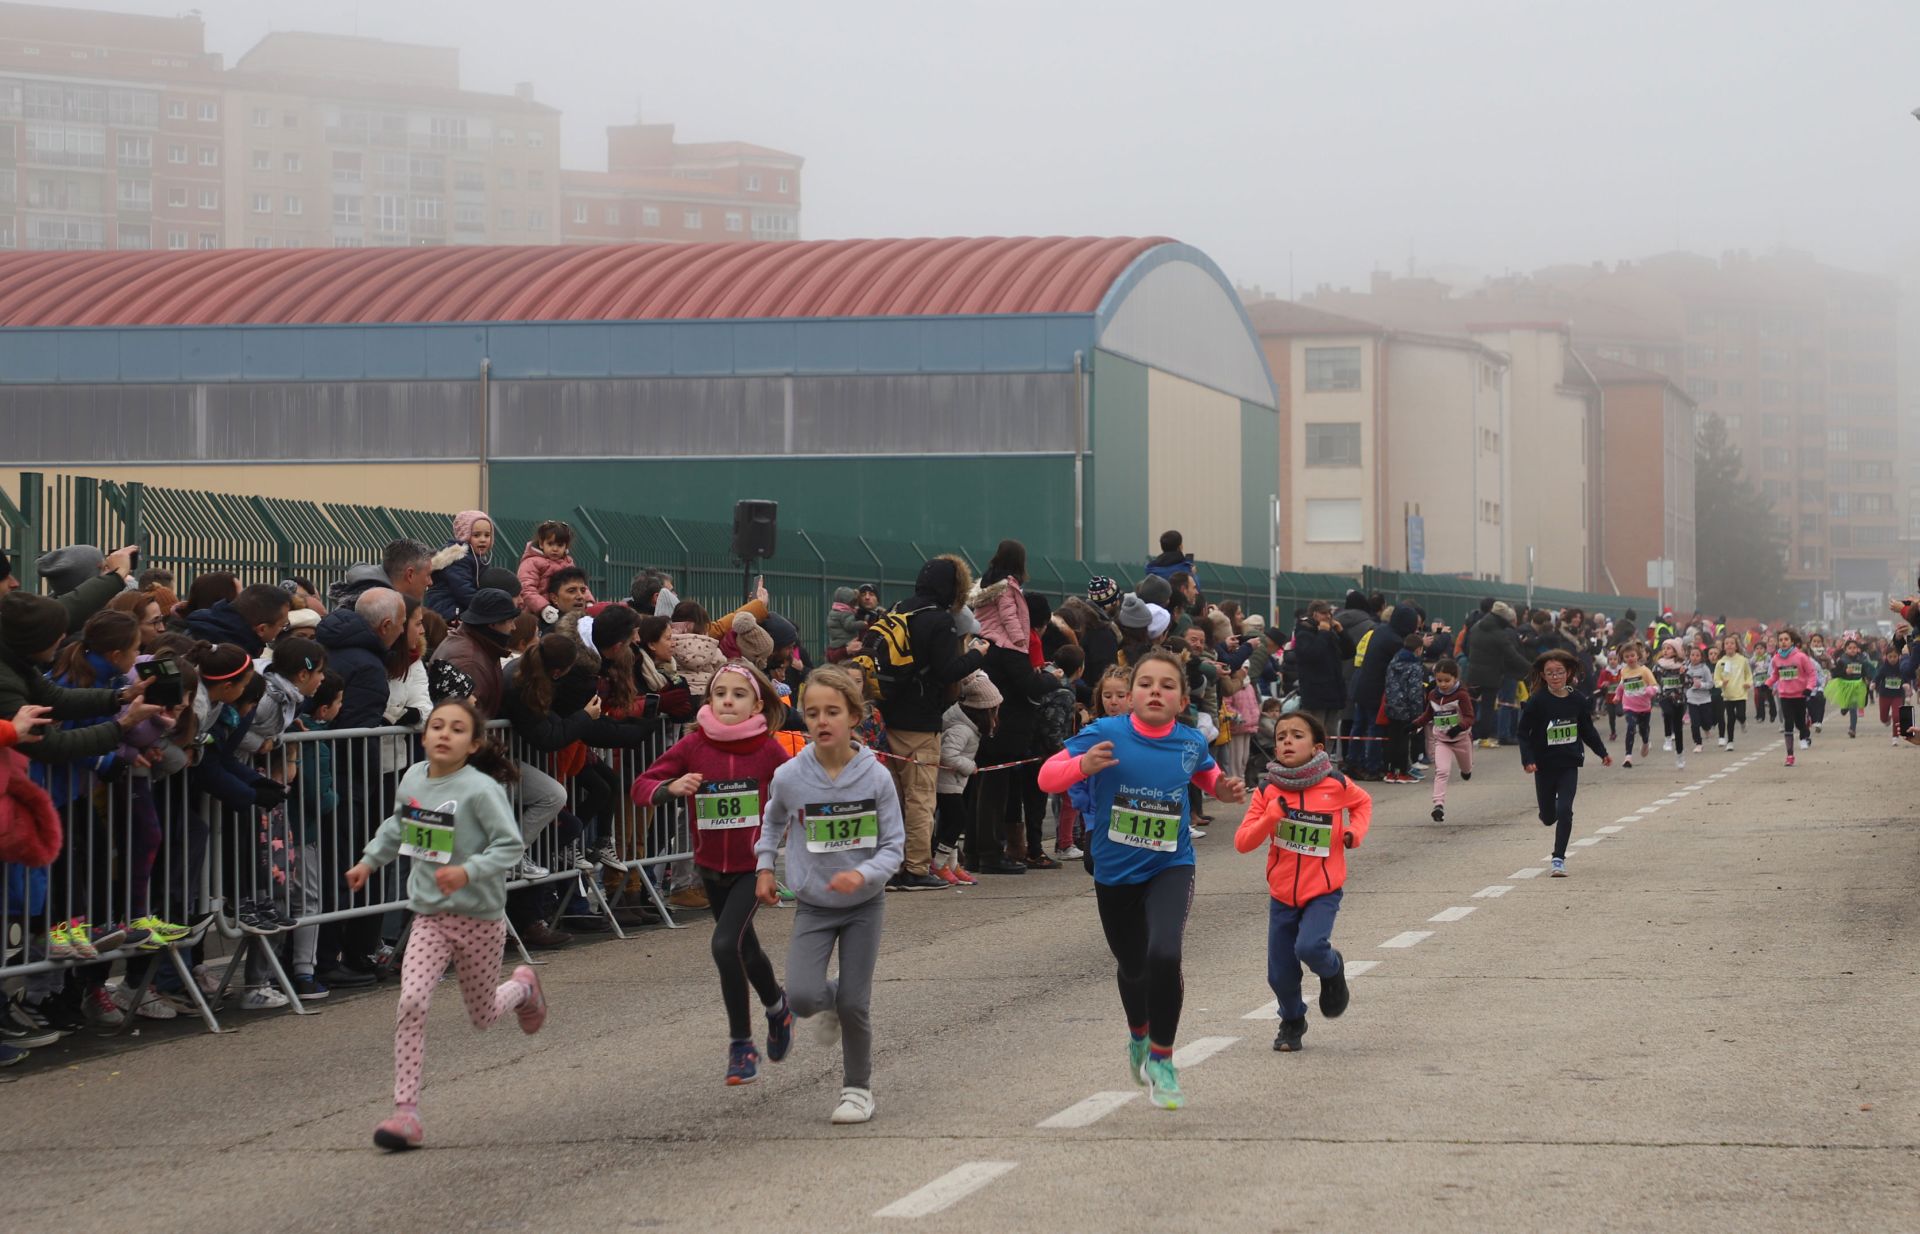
1117	673
827	677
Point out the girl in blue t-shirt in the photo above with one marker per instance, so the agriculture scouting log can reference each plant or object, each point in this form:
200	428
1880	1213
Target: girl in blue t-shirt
1133	771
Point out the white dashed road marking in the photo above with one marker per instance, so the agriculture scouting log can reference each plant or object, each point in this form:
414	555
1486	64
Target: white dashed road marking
1534	872
1271	1009
1587	842
1630	818
1608	831
948	1189
1492	893
1451	914
1088	1112
1411	938
1201	1049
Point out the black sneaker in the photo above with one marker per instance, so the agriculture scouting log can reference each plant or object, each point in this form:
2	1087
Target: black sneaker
255	917
1333	992
279	915
1439	814
24	1030
999	865
1287	1040
341	977
904	881
1466	775
57	1015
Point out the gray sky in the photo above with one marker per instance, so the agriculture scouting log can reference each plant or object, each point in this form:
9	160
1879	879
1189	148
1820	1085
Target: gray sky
1485	134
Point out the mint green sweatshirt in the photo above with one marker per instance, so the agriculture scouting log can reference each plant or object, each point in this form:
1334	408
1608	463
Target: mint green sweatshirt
486	840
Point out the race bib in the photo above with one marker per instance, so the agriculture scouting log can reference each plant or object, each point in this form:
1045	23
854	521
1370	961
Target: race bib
1670	683
1853	670
1636	686
1789	672
1306	832
1446	722
1564	733
839	826
426	835
1139	821
1891	683
727	805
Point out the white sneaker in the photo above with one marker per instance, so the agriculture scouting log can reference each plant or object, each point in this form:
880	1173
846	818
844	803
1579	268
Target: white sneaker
826	1032
1805	744
1199	833
1696	749
262	998
155	1006
1723	744
528	869
1666	747
207	978
1073	852
1680	761
856	1106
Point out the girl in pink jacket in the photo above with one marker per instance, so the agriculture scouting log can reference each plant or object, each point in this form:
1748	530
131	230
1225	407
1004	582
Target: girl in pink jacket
1792	676
550	550
999	603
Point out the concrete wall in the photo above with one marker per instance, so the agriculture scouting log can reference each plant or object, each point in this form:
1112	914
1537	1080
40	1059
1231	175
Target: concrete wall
1306	483
1545	463
1443	452
1193	468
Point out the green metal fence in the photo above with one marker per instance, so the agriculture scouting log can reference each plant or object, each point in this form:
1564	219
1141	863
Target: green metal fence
1448	598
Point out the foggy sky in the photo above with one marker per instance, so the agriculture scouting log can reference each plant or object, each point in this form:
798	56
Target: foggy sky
1492	135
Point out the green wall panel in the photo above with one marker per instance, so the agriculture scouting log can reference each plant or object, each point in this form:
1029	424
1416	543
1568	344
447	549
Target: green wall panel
940	502
1116	495
1259	479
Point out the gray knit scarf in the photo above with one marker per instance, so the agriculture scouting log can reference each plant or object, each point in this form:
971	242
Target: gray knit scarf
1301	778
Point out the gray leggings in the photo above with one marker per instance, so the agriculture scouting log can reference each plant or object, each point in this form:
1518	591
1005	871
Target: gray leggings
809	992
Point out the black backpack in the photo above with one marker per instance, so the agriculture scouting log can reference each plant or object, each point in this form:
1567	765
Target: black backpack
885	658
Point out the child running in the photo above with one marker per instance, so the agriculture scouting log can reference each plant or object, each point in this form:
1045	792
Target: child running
1891	687
1140	846
1638	686
1735	676
724	764
1449	732
1556	721
1308	815
1847	688
1791	675
840	807
1671	671
452	817
1701	714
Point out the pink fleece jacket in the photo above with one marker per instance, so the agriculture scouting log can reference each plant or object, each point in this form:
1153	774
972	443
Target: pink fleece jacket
1802	683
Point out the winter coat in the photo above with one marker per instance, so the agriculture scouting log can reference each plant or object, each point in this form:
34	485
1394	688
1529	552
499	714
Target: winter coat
1294	878
725	850
29	825
89	598
564	722
455	582
22	682
1406	691
473	655
1166	565
220	772
1314	664
535	569
409	703
1099	640
68	779
1369	683
843	621
918	704
1053	719
699	657
959	750
221	624
1494	654
1001	609
278	708
356	653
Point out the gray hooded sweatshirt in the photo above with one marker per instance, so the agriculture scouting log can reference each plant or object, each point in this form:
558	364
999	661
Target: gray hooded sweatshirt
852	823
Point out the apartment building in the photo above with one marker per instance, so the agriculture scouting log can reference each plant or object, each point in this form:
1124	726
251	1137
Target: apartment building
656	188
350	142
110	131
1644	478
1381	426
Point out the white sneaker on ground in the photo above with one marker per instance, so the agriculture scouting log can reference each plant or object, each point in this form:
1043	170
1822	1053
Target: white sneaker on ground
856	1106
262	998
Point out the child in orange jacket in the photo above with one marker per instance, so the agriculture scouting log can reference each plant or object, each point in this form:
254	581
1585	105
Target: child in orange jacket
1298	814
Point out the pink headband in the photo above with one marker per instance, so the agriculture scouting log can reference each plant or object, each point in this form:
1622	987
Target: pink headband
740	670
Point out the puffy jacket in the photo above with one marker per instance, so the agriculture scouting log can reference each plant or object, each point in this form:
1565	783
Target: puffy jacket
221	624
1166	565
1098	637
219	773
29	825
535	569
356	653
474	654
959	750
917	704
1294	878
1803	680
843	621
1314	663
1369	683
1494	655
454	583
1406	693
699	657
22	682
1001	609
89	598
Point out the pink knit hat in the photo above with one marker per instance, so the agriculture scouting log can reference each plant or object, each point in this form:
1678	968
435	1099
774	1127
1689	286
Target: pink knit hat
463	523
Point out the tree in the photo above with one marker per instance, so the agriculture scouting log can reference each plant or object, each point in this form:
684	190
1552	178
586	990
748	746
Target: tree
1741	554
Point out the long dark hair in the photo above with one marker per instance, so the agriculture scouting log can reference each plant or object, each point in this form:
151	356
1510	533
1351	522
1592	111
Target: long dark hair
211	588
533	680
1009	561
105	633
489	757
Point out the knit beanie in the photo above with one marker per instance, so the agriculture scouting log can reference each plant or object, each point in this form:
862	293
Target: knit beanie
463	524
66	568
1134	614
1253	626
500	579
1503	611
1102	590
1158	619
978	692
784	632
1155	590
755	644
30	625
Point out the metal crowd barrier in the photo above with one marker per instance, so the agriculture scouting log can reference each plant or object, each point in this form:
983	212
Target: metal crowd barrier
145	843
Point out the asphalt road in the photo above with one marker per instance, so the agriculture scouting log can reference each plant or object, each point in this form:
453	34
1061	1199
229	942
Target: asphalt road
1708	1026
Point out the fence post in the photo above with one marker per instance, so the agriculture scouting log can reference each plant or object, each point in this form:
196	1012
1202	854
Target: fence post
133	513
282	542
685	571
33	514
826	593
604	584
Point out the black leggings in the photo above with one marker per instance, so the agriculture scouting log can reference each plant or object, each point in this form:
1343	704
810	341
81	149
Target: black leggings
1793	715
1643	722
1671	715
1145	923
1817	707
1764	707
1555	787
1732	712
736	948
953	820
1700	718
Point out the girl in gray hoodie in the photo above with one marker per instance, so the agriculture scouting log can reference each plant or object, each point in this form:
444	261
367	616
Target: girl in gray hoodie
840	806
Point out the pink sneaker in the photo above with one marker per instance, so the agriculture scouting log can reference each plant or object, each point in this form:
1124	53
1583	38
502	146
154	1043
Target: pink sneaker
533	1012
946	875
960	876
1789	760
399	1133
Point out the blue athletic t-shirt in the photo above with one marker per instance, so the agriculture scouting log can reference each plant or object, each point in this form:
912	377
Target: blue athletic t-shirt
1150	778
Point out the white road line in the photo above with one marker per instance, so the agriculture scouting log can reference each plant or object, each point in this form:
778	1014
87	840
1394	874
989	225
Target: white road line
1693	788
1452	914
1718	775
1588	841
1629	818
1608	831
1492	893
948	1189
1200	1049
1088	1112
1664	801
1270	1010
1533	872
1355	967
1411	938
1648	810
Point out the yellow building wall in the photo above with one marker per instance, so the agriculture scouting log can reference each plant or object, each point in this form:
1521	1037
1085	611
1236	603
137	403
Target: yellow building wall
410	486
1193	466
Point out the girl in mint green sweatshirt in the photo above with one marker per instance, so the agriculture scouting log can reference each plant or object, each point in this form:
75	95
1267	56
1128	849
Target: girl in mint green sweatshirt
452	818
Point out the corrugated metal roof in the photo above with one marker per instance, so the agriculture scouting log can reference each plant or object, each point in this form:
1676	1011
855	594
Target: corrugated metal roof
821	278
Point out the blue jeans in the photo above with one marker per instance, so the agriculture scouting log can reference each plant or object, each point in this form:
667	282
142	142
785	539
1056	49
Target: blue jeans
1367	753
1507	718
1297	936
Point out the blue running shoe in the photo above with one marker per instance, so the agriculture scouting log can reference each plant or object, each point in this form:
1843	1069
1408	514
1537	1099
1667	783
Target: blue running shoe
779	1032
743	1063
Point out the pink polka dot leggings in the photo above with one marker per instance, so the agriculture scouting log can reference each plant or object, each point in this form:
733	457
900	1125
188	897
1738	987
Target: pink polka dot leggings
475	947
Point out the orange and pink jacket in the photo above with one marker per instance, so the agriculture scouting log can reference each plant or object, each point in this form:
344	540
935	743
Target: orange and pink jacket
1292	878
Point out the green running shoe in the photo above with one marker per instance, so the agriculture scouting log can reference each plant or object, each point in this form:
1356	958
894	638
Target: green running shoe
1137	1059
1163	1084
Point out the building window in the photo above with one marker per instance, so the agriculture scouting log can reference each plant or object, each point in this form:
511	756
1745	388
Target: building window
136	152
690	220
613	216
136	194
176	154
536	220
780	185
263	117
506	137
536	138
263	242
580	212
176	240
346	210
390	212
1333	368
1702	387
448	132
135	237
469	177
209	199
263	203
536	180
293	163
209	111
506	218
734	221
649	216
176	109
263	160
293	205
1838	440
209	156
1773	458
208	240
1333	445
506	177
469	217
1334	521
427	208
753	184
177	197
